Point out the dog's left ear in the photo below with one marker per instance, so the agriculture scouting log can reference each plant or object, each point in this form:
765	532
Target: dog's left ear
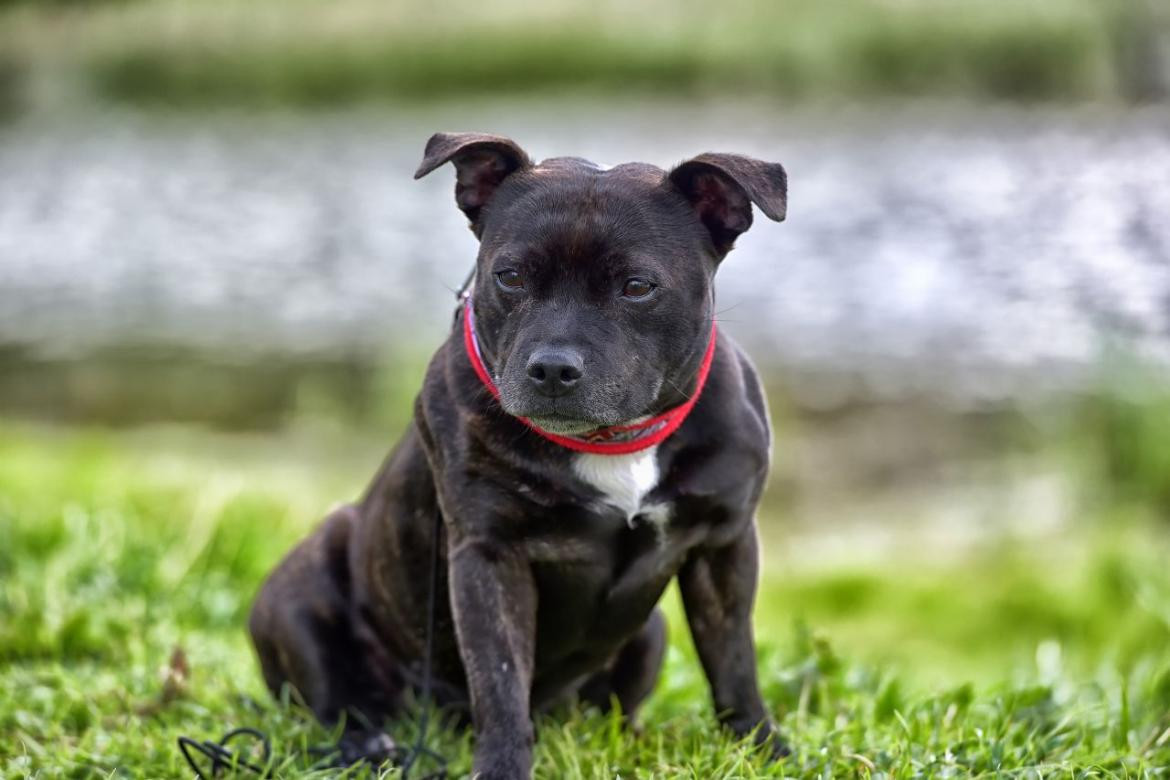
722	189
482	162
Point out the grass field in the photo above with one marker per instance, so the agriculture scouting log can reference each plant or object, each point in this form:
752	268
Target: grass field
1041	659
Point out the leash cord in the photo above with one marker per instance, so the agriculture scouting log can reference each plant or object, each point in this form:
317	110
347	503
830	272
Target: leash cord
221	757
419	748
465	288
224	759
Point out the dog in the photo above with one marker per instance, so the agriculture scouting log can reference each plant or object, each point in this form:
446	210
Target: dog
585	435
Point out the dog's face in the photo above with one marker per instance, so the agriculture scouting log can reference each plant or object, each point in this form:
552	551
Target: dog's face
593	296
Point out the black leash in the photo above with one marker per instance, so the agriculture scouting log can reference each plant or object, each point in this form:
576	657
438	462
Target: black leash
222	758
420	749
465	288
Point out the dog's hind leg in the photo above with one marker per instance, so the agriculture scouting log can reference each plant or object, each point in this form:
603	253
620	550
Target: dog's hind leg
631	676
306	636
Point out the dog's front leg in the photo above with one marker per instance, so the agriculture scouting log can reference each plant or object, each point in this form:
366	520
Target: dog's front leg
493	599
718	586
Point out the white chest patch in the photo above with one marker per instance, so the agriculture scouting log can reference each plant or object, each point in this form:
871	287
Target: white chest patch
624	480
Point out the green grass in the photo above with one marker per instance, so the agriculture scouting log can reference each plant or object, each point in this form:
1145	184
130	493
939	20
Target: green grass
1039	659
312	53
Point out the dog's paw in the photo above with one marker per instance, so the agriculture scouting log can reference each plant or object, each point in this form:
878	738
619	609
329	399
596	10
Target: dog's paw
764	736
773	746
367	746
776	747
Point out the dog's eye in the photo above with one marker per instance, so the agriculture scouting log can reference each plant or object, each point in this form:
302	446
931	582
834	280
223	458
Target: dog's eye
510	280
637	288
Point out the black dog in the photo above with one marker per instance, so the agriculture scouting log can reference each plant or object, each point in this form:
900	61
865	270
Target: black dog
585	434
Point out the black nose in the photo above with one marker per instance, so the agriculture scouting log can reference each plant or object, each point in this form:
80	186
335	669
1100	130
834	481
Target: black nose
555	371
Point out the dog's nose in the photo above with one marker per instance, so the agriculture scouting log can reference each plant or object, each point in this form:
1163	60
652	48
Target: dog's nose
555	371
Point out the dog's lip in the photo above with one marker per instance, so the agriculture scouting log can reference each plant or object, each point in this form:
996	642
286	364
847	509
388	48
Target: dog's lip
564	424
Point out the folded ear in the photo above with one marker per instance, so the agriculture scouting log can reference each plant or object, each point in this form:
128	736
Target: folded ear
481	162
722	189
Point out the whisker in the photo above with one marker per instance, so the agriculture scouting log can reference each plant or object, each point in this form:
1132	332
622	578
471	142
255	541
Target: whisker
677	389
729	308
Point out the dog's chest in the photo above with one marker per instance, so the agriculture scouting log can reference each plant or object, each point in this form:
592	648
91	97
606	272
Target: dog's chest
624	482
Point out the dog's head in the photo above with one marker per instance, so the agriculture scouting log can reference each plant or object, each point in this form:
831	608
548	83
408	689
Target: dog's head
593	286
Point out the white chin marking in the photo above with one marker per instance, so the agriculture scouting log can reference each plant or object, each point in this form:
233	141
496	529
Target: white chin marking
624	480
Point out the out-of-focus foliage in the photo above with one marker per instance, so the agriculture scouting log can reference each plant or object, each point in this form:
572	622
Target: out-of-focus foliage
1128	429
311	53
133	386
1138	449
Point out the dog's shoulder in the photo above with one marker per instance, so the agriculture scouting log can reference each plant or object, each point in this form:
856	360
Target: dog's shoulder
733	408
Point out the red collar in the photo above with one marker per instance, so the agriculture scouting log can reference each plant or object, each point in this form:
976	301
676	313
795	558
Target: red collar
616	439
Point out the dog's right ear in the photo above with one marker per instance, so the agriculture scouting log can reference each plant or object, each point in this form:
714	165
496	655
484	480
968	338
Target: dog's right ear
482	162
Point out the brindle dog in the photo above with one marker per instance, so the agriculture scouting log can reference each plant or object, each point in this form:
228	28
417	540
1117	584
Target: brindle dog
593	304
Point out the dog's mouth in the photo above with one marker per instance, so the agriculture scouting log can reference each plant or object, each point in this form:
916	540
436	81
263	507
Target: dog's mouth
566	417
565	426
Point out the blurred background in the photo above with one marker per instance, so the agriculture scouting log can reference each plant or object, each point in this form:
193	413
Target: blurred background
219	287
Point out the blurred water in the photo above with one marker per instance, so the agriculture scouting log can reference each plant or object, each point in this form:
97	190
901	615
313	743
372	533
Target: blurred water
972	251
